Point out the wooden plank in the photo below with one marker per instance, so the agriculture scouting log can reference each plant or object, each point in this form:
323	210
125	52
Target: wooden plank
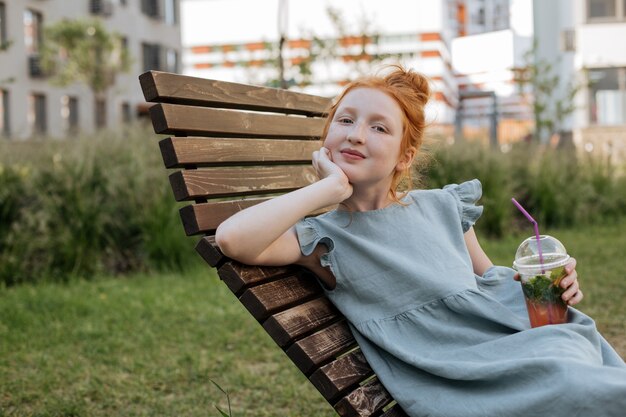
199	152
209	251
264	300
334	379
239	181
321	347
394	411
238	276
366	400
172	119
206	217
173	88
302	319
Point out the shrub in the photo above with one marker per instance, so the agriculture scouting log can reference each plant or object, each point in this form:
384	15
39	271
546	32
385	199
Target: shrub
88	206
103	204
558	187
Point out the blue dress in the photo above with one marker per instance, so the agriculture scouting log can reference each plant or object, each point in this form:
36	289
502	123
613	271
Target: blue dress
444	341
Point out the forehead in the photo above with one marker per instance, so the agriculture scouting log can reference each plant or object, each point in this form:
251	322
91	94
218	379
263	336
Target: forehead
371	101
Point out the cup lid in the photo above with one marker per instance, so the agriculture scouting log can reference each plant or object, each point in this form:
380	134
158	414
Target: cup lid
527	260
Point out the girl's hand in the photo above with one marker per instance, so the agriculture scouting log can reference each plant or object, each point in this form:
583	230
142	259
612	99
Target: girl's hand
326	168
572	294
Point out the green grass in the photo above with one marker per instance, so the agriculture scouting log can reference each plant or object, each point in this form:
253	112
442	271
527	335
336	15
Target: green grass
150	345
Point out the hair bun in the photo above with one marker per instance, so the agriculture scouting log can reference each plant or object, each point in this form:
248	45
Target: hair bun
411	82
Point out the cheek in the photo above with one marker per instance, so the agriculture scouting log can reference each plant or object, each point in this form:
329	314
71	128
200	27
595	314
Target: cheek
331	142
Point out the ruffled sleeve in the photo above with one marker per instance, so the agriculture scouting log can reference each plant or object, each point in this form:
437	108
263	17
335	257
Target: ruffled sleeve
466	195
309	236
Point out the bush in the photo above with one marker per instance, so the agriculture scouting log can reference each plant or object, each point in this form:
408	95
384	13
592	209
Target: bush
103	204
558	187
88	206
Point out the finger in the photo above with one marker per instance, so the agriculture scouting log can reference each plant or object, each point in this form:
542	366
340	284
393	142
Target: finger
577	298
329	154
571	292
571	265
314	159
569	279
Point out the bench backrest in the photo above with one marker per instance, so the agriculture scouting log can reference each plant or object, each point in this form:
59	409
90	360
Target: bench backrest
234	146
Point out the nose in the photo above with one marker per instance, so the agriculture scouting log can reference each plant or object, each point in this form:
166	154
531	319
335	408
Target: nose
356	134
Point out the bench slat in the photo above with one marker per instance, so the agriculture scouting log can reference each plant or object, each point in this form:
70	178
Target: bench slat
369	399
209	251
179	152
238	276
286	326
318	348
172	119
265	299
333	379
173	88
239	181
206	217
394	411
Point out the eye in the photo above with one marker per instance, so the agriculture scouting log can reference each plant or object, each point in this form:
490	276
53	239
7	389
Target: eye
344	120
380	128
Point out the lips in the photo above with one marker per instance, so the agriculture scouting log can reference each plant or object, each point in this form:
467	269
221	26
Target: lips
351	153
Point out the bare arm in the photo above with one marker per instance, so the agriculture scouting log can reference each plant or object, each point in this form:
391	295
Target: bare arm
480	260
265	234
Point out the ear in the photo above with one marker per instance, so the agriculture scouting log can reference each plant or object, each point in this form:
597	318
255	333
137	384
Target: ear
406	160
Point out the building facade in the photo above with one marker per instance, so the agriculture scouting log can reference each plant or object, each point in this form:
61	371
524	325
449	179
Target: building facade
582	39
471	49
417	33
30	105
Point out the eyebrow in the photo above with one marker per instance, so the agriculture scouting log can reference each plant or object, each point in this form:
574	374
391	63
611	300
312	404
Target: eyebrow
376	115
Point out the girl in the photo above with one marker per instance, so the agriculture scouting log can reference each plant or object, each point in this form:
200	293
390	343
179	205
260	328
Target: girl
446	332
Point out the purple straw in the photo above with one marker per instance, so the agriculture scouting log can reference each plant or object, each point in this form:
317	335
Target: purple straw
534	222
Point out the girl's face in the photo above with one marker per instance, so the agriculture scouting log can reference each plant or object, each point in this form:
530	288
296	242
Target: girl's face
365	135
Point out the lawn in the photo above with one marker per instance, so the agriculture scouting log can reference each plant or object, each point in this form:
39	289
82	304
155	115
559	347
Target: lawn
151	344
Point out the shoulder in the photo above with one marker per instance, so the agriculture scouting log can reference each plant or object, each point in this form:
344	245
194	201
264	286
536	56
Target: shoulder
466	192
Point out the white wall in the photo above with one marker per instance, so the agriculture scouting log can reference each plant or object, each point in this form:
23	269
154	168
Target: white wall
601	45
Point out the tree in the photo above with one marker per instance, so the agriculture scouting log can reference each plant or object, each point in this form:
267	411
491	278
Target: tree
299	73
82	50
549	105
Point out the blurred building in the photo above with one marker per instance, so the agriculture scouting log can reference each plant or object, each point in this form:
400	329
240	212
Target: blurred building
30	105
420	34
473	51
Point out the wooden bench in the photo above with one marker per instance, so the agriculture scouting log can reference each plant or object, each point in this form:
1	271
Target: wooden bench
234	146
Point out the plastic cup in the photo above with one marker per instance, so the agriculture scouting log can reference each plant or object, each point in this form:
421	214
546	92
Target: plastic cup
541	280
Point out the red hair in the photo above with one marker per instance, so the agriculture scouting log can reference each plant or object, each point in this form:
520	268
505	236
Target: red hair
411	91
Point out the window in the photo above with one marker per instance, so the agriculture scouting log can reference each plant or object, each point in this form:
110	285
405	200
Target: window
37	114
101	7
4	113
171	12
568	40
151	8
606	10
69	113
32	31
125	110
3	26
101	113
171	60
151	56
607	96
